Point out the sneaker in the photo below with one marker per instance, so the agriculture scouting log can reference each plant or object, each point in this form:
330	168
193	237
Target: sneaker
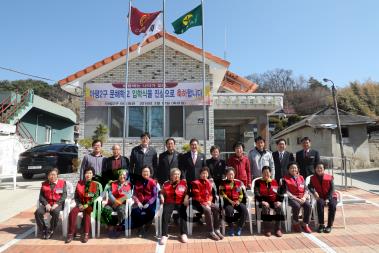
238	232
327	229
163	240
69	238
278	233
231	231
219	234
321	228
49	234
183	238
296	228
307	229
214	236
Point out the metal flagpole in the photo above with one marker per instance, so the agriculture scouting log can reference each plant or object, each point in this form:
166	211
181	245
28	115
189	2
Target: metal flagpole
164	75
126	80
203	58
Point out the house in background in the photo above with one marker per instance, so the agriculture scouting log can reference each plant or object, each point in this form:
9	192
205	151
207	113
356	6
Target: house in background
37	120
321	128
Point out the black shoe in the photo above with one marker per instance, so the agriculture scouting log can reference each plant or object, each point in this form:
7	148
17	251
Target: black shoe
321	228
327	229
49	234
69	238
43	235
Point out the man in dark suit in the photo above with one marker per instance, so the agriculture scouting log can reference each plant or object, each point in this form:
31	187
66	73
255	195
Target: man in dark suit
307	158
191	162
281	159
167	160
142	155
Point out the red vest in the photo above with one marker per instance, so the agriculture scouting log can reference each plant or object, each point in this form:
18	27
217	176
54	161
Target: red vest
322	189
122	192
86	197
202	190
144	192
295	187
175	194
232	193
271	194
52	196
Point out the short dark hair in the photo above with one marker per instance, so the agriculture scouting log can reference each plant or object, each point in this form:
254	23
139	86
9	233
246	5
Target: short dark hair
170	139
281	139
259	138
306	138
238	144
96	141
52	169
89	168
229	169
292	163
214	147
266	168
320	163
145	134
194	139
205	168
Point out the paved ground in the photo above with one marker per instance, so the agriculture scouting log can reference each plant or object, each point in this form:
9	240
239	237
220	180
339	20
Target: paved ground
361	235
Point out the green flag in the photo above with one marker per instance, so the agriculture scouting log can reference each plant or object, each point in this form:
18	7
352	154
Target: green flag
188	20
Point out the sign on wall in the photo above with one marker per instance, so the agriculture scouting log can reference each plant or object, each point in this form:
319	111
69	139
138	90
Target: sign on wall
146	94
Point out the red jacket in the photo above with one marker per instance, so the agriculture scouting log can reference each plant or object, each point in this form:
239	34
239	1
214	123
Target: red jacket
52	196
174	194
232	193
120	193
322	189
202	190
86	197
268	192
241	166
295	187
145	192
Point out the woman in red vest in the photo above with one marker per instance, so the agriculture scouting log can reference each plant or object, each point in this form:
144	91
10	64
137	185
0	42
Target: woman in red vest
174	196
232	192
119	192
241	164
266	191
51	198
144	196
202	196
321	186
85	194
294	186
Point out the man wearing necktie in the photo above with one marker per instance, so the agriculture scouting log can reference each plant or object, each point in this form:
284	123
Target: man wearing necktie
307	158
281	159
191	162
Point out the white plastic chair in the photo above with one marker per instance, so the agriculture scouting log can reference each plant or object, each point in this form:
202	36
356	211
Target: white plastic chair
63	215
249	205
158	214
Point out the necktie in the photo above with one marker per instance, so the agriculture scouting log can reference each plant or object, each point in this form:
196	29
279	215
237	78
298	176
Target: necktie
305	153
194	158
280	156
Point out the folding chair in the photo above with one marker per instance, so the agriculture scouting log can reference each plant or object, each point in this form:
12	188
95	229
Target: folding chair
63	215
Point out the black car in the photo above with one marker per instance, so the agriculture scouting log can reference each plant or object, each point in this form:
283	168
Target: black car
41	158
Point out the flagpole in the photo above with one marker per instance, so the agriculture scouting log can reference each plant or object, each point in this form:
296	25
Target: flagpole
126	81
203	58
164	75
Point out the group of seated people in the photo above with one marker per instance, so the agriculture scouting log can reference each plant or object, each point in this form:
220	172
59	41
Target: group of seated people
216	199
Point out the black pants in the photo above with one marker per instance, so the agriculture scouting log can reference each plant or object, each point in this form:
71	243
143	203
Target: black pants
167	211
268	218
296	209
142	216
229	213
332	205
212	215
39	216
120	210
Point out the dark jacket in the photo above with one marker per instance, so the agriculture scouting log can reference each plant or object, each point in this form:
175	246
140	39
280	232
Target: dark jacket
162	174
217	169
108	173
189	170
307	164
139	159
281	166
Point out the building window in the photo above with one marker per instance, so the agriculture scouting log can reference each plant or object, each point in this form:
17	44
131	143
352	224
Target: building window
116	121
288	141
175	122
146	119
48	134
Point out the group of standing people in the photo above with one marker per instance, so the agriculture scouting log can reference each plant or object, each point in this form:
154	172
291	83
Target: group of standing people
178	178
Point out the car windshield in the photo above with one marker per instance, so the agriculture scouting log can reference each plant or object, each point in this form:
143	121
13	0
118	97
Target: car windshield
46	148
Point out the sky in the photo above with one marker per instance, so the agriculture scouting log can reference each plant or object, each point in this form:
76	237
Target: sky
334	39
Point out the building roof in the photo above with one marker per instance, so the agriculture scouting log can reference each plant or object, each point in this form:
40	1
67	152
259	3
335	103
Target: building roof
326	118
53	108
231	81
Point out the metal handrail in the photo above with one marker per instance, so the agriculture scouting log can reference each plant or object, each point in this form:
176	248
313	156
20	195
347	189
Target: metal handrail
11	111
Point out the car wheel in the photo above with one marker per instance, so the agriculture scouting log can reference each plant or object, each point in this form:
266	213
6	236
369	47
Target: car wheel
27	175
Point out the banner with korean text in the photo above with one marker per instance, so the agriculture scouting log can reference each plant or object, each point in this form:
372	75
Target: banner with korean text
146	94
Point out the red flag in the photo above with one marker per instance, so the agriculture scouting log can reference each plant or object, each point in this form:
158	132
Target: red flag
140	21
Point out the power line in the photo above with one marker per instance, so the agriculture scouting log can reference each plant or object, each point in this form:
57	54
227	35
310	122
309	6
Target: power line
25	74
